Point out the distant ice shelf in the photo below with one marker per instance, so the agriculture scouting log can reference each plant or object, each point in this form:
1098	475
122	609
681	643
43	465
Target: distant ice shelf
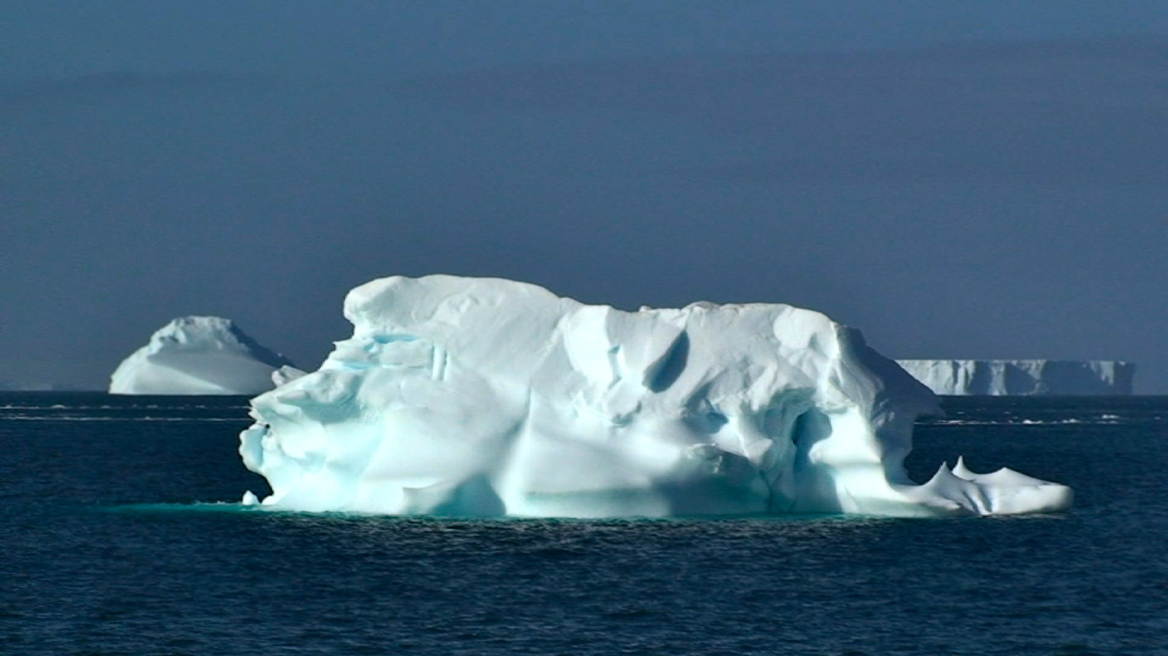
1023	377
201	355
35	386
488	397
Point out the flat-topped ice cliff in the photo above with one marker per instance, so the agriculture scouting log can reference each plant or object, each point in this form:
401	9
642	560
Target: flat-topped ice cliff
464	396
200	355
285	374
1023	377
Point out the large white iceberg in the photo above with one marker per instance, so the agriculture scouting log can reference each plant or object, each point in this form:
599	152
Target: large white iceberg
200	355
490	397
1023	377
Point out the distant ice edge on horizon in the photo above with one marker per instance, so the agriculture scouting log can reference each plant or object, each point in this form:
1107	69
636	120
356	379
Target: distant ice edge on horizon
1023	377
488	397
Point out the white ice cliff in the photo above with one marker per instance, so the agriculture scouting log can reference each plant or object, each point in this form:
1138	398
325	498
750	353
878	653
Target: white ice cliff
199	355
1023	377
488	397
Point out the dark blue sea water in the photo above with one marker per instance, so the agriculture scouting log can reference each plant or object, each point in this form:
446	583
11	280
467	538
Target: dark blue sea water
119	535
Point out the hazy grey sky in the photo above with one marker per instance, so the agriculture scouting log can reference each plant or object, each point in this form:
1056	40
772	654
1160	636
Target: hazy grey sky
957	179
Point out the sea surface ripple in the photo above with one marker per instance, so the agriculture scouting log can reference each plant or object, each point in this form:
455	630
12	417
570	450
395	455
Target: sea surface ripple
123	535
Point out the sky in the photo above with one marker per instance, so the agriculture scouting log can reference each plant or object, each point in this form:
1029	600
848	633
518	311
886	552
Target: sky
955	179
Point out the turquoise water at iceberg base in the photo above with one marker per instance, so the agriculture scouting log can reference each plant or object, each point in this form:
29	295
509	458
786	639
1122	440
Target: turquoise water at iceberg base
120	534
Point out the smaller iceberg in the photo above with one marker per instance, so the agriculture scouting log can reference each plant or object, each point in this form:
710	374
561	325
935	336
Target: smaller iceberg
201	355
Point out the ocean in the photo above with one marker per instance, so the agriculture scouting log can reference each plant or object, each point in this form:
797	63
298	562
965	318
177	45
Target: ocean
121	533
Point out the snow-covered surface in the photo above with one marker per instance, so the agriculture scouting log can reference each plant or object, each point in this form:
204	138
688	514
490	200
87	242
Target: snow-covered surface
198	355
1023	377
490	397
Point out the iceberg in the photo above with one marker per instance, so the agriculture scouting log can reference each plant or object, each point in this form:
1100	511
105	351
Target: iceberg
1023	377
488	397
200	355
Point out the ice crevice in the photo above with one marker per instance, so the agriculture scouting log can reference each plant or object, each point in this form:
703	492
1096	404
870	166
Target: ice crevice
488	397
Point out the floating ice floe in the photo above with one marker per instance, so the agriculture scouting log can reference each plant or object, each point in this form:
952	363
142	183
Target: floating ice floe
487	397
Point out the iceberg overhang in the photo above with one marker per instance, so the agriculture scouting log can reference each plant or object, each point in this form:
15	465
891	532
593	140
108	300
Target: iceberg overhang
488	397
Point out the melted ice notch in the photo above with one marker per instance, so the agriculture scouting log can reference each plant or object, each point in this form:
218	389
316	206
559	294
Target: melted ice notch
490	397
